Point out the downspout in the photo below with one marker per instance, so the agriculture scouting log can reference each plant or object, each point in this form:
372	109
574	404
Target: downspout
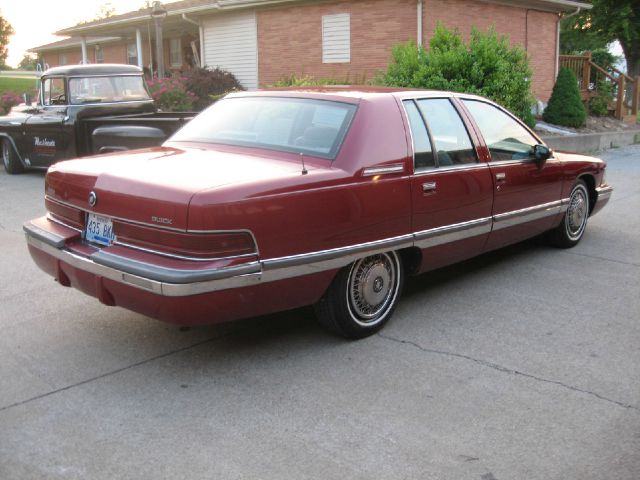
572	14
419	23
201	34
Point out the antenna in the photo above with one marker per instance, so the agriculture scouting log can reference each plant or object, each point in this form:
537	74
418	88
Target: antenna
304	169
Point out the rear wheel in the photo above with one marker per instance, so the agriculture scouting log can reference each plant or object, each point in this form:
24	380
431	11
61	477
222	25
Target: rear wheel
574	222
363	296
10	158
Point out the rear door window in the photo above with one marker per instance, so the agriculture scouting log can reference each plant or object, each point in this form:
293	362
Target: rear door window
450	137
422	152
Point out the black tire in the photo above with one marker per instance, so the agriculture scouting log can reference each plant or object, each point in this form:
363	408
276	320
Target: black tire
10	158
363	296
574	221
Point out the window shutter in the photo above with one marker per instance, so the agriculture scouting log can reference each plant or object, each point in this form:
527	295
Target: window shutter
336	38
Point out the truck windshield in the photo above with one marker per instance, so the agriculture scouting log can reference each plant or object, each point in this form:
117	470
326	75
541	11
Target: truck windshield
298	125
120	88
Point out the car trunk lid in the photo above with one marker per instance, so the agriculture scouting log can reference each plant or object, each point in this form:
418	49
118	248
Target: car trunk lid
155	186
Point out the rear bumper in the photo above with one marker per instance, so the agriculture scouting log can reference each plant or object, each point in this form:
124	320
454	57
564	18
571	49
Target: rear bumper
171	282
186	296
603	194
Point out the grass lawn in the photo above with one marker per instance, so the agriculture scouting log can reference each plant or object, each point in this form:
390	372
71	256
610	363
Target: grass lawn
17	85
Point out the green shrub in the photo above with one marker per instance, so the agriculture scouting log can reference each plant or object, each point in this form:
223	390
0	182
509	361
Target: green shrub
294	80
599	105
171	94
209	85
486	66
565	105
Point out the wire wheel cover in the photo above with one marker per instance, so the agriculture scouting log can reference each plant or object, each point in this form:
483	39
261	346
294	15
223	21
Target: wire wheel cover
372	286
576	216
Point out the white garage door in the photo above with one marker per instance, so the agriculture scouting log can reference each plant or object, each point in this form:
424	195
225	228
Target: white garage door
231	43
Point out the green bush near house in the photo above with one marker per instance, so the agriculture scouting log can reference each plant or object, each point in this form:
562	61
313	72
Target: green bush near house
487	65
565	105
294	80
209	85
599	105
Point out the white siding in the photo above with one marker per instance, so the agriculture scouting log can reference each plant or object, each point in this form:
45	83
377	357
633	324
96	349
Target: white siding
336	38
231	43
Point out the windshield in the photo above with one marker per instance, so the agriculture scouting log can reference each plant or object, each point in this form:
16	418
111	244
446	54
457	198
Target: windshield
122	88
298	125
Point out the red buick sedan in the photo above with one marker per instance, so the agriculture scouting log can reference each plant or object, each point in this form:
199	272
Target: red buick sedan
278	199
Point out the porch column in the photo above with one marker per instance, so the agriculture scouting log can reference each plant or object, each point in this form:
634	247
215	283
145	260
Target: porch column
139	47
84	50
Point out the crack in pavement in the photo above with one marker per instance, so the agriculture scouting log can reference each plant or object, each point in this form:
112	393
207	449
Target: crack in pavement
500	368
603	258
113	372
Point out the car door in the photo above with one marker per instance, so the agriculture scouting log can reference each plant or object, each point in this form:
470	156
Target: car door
452	192
527	192
45	142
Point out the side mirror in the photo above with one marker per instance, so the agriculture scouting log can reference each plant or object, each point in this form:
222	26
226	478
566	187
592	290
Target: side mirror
541	153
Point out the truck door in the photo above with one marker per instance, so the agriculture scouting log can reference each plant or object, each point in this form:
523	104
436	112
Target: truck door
44	139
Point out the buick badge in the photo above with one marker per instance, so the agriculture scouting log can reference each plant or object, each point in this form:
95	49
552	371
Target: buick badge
93	198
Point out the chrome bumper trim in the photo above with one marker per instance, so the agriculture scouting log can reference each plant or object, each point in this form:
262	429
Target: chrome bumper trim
604	192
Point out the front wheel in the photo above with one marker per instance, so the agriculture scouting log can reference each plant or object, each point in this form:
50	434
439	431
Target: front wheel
574	222
10	158
363	296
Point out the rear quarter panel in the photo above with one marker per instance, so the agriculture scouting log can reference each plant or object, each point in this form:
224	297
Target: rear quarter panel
333	205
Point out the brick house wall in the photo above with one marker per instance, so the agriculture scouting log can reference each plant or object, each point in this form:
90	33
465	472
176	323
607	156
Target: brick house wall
290	39
534	30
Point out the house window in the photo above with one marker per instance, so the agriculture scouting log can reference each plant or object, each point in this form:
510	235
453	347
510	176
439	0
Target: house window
132	54
336	38
99	54
175	52
62	59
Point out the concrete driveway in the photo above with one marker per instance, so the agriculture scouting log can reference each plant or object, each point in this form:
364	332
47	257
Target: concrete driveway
521	364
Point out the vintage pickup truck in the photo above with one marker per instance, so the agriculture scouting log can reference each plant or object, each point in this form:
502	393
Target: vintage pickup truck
83	110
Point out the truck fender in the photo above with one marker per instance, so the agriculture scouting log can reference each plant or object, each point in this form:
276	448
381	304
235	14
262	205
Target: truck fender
15	148
116	138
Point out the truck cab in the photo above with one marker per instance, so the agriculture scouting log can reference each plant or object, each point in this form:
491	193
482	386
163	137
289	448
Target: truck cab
69	117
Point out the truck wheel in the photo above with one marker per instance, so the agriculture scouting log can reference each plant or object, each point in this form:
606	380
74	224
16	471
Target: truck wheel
10	158
362	297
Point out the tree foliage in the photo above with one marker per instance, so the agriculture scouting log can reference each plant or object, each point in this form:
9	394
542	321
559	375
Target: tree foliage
606	22
6	30
28	62
487	65
565	105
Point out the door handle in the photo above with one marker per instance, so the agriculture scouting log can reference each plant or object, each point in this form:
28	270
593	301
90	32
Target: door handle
429	187
501	177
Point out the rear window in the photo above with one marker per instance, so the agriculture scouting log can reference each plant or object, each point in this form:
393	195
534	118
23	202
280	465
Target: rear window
110	89
298	125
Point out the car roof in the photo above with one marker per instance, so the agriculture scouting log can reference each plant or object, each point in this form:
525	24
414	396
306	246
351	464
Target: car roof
350	93
93	69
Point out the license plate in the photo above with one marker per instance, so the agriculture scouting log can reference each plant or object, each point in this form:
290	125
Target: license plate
99	230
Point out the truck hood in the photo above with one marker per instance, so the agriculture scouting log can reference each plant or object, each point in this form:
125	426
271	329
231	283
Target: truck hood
156	185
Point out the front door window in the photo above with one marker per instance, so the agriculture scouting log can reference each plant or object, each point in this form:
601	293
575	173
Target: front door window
53	92
505	137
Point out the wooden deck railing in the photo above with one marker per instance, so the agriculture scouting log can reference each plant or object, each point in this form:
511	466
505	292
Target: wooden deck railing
626	91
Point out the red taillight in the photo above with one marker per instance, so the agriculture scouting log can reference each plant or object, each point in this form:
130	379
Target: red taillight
68	215
196	245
